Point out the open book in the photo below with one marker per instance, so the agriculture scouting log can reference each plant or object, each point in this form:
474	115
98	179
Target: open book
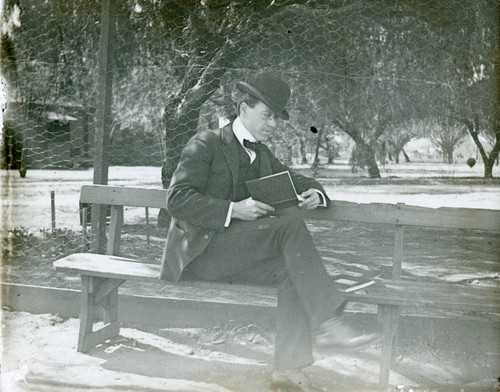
277	190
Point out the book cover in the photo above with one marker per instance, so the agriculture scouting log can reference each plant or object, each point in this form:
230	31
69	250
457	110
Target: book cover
277	190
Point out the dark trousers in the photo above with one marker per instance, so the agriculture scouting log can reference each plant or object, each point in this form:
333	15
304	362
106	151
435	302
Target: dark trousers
280	251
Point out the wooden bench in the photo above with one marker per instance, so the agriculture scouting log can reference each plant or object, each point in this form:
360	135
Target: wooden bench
102	275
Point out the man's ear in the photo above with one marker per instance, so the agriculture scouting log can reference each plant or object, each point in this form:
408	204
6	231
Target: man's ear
243	107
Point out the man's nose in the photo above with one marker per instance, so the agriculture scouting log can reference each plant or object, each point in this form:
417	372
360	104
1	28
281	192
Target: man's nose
272	121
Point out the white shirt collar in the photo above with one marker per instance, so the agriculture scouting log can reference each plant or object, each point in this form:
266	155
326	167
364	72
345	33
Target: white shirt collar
241	132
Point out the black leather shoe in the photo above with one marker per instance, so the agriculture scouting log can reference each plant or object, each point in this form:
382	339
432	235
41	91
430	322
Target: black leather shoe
335	334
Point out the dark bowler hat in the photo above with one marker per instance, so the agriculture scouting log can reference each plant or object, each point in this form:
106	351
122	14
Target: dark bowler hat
269	89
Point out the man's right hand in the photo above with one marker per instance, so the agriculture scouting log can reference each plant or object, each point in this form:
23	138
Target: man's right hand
250	209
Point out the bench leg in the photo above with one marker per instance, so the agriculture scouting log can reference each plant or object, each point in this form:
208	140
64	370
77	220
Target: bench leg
111	311
390	317
98	293
87	313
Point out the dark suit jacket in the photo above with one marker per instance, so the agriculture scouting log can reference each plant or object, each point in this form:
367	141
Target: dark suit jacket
201	190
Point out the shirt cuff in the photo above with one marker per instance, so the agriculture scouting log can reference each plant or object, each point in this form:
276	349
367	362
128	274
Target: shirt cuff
229	213
322	197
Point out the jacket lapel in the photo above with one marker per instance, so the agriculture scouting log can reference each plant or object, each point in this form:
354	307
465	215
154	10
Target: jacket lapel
230	151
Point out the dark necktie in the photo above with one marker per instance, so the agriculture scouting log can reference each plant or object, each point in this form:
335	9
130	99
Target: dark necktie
251	145
261	151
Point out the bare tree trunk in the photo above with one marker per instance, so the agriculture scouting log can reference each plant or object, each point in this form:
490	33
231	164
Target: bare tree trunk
397	151
318	145
449	156
407	158
367	157
488	161
303	151
331	155
371	162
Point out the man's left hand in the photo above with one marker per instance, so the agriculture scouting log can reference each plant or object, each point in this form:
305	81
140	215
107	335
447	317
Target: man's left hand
311	199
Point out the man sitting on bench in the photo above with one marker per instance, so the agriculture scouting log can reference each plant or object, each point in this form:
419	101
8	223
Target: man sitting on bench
218	232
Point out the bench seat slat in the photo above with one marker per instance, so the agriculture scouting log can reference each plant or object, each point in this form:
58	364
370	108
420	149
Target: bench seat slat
107	266
389	292
442	295
115	267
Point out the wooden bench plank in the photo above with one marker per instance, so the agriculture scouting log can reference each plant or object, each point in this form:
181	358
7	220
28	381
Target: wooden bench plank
392	214
124	196
100	265
116	267
387	292
441	295
405	215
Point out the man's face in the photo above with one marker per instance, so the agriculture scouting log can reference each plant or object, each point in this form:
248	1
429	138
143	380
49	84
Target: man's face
259	120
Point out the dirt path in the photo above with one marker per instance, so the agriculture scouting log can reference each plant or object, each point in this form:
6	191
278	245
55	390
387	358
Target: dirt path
39	355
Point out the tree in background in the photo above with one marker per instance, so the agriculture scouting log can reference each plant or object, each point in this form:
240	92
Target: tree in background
481	83
446	135
362	68
8	55
471	82
398	136
55	43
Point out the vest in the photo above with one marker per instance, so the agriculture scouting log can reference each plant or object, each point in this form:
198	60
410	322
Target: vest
246	172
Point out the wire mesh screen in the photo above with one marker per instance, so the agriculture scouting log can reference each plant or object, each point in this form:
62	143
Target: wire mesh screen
366	78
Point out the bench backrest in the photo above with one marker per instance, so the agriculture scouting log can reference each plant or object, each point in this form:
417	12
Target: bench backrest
397	215
123	196
391	214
